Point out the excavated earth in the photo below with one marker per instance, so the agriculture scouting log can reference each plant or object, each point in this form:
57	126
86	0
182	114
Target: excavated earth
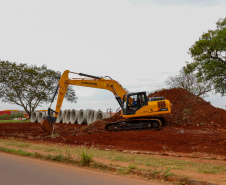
193	126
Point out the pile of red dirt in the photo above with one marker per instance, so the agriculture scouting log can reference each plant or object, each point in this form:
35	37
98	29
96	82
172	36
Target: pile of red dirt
189	109
98	126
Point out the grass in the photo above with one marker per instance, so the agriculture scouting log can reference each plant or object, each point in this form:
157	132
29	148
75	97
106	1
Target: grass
15	121
58	158
167	173
85	157
18	152
127	170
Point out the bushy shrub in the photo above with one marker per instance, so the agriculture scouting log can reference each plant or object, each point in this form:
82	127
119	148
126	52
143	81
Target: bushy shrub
86	159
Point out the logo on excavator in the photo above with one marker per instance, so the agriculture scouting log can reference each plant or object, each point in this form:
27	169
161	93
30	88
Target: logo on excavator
89	83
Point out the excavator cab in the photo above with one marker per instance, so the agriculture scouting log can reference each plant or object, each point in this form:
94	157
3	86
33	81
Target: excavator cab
133	102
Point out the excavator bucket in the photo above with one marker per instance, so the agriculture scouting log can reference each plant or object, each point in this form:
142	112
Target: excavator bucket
47	124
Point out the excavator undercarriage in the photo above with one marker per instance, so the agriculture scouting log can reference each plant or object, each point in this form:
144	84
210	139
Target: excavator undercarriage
145	123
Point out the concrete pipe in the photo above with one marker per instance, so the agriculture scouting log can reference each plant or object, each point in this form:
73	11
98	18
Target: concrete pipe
82	117
41	115
68	116
90	115
106	115
93	116
34	117
52	114
64	116
59	117
99	115
74	116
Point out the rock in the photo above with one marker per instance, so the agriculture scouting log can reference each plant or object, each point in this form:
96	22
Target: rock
181	131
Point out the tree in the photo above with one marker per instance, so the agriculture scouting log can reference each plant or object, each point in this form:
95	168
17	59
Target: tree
4	116
190	83
209	57
29	86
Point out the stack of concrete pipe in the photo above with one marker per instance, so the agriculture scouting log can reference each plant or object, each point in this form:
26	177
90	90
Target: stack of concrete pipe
72	116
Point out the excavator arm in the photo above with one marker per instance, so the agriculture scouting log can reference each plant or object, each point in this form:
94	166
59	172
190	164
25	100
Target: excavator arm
93	82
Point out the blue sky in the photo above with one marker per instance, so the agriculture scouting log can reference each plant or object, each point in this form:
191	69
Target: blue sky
139	43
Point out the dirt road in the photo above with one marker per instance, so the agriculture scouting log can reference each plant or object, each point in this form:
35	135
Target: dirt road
21	170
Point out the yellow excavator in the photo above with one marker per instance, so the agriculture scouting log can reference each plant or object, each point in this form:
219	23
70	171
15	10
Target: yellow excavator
138	111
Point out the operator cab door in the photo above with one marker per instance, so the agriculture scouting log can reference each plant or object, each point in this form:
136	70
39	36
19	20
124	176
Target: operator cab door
133	102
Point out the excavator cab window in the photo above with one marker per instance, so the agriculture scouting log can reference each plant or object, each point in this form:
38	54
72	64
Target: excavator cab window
142	101
133	102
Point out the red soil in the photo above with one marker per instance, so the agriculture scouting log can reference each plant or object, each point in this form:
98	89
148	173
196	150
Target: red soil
190	109
188	139
193	126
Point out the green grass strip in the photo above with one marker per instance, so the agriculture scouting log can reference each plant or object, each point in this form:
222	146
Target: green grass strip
18	152
15	121
58	158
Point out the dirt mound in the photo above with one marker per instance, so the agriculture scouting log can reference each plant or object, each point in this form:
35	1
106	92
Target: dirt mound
97	126
189	109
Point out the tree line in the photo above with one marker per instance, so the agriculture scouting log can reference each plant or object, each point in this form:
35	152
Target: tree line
11	117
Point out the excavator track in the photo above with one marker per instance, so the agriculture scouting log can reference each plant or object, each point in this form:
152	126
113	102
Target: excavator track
153	123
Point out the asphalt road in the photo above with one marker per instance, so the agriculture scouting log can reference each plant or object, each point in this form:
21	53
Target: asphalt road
26	171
